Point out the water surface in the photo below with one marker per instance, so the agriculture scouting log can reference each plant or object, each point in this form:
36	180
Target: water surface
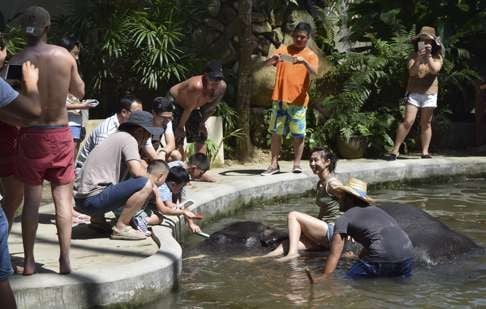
218	281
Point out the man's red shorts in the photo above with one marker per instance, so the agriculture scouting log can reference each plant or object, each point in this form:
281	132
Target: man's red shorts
45	153
8	149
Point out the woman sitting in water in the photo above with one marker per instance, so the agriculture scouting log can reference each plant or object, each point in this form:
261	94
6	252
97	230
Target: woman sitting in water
307	232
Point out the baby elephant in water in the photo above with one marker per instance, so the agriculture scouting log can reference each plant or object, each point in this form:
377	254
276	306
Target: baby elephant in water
244	236
432	240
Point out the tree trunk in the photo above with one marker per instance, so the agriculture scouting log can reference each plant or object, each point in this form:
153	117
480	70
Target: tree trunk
244	78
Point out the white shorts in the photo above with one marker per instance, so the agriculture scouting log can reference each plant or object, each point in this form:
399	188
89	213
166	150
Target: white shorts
422	100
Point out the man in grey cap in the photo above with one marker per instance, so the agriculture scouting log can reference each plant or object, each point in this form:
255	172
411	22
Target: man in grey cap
45	148
102	185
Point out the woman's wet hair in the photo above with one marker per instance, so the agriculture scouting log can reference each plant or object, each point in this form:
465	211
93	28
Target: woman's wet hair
327	154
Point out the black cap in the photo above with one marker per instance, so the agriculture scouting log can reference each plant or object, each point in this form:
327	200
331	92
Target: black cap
162	105
214	70
145	120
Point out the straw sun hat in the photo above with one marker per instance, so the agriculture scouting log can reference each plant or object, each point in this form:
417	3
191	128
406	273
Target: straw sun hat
426	32
358	188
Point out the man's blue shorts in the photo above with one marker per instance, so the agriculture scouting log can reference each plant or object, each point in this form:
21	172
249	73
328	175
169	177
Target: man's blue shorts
111	198
5	263
364	269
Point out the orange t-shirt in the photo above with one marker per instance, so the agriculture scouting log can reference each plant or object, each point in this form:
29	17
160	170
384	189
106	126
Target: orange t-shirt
293	80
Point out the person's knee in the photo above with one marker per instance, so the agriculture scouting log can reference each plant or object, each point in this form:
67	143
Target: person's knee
293	215
408	123
426	124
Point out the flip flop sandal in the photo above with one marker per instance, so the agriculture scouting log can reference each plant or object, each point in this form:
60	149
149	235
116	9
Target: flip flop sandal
271	171
390	157
297	170
127	233
427	156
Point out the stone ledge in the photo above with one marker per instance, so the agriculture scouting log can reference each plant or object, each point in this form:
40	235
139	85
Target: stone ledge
137	282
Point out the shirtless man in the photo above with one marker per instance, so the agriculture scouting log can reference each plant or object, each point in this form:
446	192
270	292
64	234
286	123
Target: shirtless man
46	149
195	100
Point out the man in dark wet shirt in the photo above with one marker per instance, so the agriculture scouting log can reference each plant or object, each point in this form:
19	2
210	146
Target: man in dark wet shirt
387	250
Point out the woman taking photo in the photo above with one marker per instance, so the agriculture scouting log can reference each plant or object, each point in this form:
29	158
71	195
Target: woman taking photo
422	88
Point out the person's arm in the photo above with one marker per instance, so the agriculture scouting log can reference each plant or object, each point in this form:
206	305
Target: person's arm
193	226
26	107
169	142
311	67
209	108
206	178
78	106
150	152
166	210
271	60
76	85
435	64
136	169
337	246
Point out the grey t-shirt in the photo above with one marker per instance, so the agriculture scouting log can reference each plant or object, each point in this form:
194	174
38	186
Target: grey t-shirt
377	232
7	93
106	164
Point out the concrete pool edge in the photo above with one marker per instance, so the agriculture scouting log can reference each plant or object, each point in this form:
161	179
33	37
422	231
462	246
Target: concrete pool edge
155	276
134	283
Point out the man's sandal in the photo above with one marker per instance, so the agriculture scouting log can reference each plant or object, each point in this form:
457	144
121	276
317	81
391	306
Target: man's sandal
127	233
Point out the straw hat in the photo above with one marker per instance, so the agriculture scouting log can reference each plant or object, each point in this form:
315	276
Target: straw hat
425	32
357	188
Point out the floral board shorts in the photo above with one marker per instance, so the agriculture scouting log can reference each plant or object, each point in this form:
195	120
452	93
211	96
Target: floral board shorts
287	118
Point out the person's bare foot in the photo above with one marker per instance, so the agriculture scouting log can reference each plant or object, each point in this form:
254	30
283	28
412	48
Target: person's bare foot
288	257
64	266
29	267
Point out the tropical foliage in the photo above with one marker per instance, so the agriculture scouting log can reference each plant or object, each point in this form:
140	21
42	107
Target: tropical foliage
129	45
362	94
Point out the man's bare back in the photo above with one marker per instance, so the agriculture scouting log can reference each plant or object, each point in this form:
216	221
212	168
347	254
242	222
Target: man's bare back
58	75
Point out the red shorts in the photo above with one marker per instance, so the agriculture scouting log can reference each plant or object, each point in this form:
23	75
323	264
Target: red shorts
8	149
45	153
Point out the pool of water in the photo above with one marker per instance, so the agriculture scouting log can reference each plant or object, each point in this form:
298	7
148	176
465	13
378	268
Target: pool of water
219	281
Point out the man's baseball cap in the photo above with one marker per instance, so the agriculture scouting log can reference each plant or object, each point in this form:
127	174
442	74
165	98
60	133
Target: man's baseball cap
145	120
214	70
162	105
34	20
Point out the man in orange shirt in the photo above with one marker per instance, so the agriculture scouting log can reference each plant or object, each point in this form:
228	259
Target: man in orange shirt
295	63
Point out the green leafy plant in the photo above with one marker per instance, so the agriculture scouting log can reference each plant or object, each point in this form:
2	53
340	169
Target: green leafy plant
128	45
364	90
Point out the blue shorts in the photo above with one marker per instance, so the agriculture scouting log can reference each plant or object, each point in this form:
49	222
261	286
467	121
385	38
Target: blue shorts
5	262
330	232
76	132
364	269
111	198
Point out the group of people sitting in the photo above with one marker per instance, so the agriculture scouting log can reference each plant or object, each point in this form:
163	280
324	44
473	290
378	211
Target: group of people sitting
112	173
